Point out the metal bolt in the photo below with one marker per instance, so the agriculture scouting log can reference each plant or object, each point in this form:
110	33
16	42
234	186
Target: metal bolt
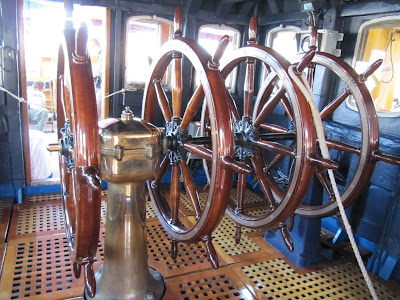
149	296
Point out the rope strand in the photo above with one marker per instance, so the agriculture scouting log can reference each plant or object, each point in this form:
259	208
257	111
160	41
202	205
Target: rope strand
306	90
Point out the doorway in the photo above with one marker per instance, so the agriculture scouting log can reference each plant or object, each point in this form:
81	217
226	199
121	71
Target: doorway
43	24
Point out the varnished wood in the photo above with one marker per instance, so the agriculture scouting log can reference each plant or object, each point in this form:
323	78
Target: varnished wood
234	165
199	151
269	107
238	233
190	187
369	134
192	107
176	85
276	148
161	171
322	162
390	159
287	239
273	128
162	100
370	70
304	62
333	105
212	254
221	136
262	180
241	190
286	106
248	87
76	104
175	194
271	92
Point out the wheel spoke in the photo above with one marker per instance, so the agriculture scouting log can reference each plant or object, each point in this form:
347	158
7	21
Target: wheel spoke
161	172
273	128
192	107
199	151
333	105
264	93
241	192
286	106
174	194
177	85
275	147
277	159
263	181
342	146
248	87
162	100
190	186
269	107
324	180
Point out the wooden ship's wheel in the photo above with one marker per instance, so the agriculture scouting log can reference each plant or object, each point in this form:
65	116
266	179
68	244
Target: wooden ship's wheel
275	135
217	149
364	148
79	151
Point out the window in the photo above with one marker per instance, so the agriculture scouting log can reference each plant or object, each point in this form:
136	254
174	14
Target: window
144	36
380	39
283	40
209	36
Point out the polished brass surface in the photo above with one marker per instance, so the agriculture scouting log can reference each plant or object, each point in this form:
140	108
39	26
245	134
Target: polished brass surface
125	273
130	149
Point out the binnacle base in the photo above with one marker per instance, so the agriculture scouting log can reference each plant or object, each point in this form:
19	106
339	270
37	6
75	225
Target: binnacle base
125	273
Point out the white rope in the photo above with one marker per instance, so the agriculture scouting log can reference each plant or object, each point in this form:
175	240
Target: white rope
306	90
20	99
120	91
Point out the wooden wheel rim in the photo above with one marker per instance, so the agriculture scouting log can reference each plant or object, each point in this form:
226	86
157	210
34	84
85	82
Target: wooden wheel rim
75	98
305	140
369	136
222	139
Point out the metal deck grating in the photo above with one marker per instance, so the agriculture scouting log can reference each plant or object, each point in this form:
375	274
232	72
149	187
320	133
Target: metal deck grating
275	279
213	284
43	197
5	216
190	257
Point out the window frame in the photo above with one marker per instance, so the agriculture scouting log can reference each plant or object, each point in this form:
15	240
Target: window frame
268	42
362	36
277	29
235	42
159	20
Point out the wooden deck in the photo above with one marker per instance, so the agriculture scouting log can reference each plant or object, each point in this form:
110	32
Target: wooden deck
36	264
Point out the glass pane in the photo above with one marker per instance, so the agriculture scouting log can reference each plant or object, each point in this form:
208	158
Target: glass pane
381	41
209	38
285	43
143	40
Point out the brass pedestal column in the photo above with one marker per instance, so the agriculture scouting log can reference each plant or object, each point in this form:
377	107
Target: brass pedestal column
125	273
130	151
